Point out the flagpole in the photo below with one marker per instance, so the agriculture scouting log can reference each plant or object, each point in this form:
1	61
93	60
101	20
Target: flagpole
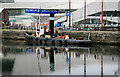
85	13
102	15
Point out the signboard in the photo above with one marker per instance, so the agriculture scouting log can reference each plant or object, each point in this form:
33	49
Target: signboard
48	11
42	11
32	11
67	13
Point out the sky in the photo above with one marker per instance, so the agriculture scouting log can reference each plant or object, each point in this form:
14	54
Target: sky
75	4
54	4
64	3
63	0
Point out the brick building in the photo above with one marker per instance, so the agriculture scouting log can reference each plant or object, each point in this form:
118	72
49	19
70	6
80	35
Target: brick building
5	16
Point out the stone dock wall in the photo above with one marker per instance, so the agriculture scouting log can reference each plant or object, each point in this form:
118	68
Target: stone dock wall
108	37
14	34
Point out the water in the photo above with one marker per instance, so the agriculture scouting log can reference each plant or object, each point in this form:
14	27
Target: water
21	59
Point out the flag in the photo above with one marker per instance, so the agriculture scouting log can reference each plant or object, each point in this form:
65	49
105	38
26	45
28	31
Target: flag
94	21
90	21
37	23
43	23
33	24
13	23
111	16
106	16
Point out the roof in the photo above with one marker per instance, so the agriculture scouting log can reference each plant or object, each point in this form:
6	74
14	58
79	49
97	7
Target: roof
1	9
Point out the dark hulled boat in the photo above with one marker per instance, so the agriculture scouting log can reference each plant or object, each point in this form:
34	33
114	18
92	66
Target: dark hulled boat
54	41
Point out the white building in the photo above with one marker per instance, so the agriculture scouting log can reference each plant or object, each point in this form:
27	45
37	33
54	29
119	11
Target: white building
111	12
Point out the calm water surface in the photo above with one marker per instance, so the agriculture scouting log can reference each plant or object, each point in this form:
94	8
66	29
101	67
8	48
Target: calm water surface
21	59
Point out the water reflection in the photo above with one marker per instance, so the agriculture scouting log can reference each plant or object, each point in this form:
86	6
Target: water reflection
51	56
22	59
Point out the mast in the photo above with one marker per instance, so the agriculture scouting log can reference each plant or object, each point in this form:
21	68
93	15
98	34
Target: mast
70	13
85	13
39	16
102	15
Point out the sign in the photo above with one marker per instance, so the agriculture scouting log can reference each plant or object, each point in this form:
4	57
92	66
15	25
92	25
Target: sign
42	11
51	18
48	11
67	13
111	16
32	11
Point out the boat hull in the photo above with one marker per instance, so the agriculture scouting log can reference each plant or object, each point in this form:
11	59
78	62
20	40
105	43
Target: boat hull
53	41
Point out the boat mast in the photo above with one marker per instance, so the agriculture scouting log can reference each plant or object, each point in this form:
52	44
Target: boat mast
39	17
85	13
102	15
70	13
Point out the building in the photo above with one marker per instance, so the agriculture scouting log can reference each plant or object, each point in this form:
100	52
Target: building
1	9
111	12
6	1
5	17
16	9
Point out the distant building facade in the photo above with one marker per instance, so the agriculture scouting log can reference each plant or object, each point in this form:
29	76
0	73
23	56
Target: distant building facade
7	1
5	16
111	14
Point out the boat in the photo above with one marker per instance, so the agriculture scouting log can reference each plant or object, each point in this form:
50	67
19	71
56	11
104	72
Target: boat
63	40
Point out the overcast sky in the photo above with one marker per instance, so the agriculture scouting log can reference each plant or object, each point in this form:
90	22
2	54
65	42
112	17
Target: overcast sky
55	4
63	0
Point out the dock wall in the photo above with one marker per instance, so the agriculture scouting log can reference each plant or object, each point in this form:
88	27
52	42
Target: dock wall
108	37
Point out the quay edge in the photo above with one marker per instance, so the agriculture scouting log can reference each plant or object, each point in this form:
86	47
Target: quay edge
101	37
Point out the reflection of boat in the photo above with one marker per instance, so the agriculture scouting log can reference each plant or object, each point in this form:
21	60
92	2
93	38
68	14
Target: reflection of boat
61	47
